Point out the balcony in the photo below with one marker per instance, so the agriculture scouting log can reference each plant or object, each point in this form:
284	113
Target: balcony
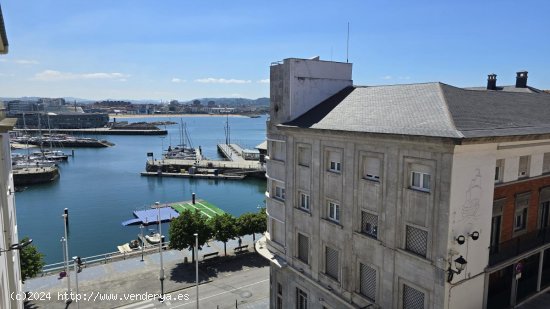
518	245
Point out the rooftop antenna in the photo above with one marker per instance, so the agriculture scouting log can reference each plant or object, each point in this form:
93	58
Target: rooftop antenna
347	46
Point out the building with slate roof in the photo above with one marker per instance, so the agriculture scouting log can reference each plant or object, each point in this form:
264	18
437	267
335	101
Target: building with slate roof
10	270
405	196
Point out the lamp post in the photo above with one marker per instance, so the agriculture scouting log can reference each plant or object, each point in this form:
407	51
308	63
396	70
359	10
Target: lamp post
161	272
66	257
197	265
76	280
142	242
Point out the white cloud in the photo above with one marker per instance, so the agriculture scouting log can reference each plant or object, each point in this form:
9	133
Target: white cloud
178	80
264	81
387	77
405	77
52	75
24	61
211	80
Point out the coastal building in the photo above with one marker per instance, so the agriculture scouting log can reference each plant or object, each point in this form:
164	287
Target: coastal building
404	196
10	271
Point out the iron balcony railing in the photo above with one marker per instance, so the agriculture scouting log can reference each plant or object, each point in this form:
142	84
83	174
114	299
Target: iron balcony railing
518	245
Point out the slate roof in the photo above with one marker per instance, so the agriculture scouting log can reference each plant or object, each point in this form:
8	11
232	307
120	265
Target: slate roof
430	109
3	37
510	88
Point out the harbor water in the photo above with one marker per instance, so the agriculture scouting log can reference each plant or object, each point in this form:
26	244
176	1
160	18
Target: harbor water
101	187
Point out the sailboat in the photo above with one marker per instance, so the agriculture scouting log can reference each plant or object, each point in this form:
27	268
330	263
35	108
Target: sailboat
183	151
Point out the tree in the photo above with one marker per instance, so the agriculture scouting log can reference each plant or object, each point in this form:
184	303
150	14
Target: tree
252	223
245	224
224	228
31	260
183	228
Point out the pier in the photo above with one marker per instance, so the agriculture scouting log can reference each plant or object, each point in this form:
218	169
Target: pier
231	152
213	169
100	131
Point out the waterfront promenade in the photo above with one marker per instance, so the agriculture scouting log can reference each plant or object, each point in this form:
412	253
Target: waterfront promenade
131	281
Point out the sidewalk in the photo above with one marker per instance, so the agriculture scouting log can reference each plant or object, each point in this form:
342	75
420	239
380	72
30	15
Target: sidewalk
114	284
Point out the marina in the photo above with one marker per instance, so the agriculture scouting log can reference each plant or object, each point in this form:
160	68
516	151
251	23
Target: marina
102	187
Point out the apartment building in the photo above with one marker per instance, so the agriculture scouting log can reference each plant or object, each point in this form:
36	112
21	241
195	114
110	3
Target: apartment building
390	196
10	271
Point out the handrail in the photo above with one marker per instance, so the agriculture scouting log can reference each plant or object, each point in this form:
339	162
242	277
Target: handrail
102	258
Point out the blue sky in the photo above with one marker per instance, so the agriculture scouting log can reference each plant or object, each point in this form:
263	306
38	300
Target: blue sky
187	49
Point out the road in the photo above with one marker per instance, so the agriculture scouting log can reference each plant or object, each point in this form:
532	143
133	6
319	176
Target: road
248	288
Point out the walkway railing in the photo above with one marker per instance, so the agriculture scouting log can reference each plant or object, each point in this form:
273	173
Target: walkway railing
102	258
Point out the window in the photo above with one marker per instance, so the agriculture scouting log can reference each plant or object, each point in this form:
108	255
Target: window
416	241
304	201
524	162
334	161
331	263
303	248
522	206
499	170
420	181
304	156
279	296
335	166
277	233
412	298
546	163
301	299
279	192
277	150
369	224
334	212
371	168
367	281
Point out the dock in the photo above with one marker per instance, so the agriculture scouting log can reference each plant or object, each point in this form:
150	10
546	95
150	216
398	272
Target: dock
232	152
196	176
100	131
213	169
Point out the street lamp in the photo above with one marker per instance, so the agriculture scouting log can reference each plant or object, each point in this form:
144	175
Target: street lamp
142	240
460	264
161	272
17	246
75	263
197	265
66	256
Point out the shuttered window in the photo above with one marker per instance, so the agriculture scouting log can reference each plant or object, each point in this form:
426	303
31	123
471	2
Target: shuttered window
367	282
304	156
369	224
524	162
546	163
331	263
303	248
412	298
416	240
371	168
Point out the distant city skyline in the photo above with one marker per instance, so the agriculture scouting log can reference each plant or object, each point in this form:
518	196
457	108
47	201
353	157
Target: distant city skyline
164	50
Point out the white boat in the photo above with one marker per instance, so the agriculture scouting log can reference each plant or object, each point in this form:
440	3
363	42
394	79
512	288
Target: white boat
153	238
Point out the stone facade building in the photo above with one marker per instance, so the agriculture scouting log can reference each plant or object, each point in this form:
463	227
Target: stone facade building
10	270
385	196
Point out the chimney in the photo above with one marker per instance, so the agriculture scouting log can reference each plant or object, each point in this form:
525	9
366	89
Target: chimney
492	82
521	79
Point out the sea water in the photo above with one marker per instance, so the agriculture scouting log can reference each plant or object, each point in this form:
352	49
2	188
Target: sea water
102	187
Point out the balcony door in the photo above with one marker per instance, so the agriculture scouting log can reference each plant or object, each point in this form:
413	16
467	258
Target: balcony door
544	215
495	233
